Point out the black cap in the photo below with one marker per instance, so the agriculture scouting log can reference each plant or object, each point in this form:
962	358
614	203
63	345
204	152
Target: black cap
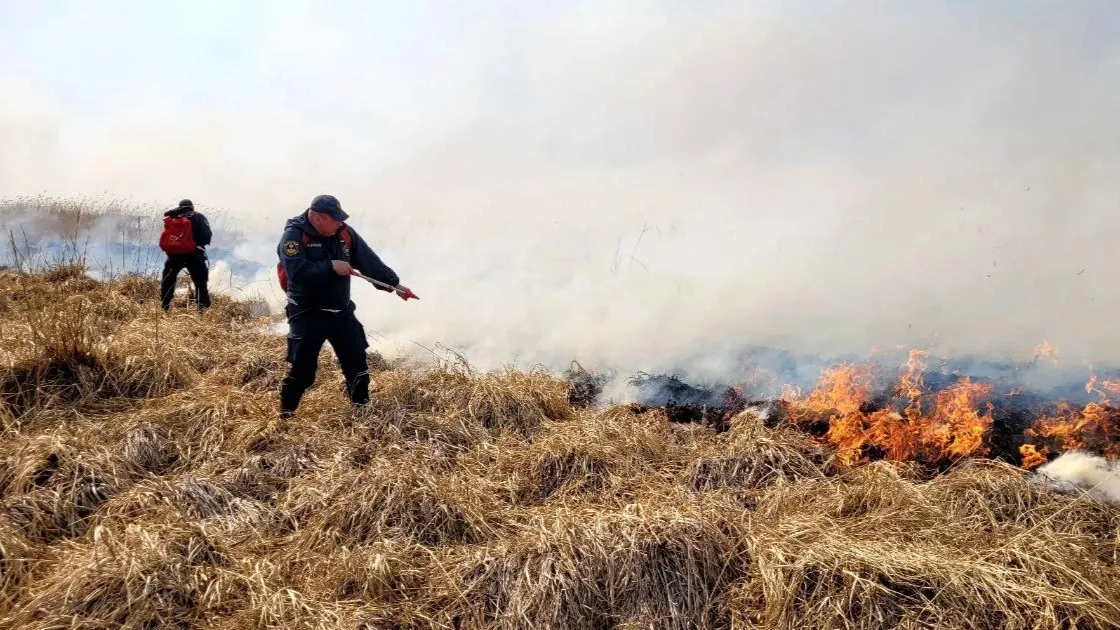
329	206
186	203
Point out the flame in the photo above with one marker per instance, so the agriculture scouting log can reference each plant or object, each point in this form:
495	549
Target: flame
915	423
843	389
837	398
1096	427
910	385
956	426
1105	389
1045	351
1111	387
1032	457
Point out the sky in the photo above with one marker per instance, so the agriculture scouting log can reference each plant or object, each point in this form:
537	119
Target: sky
642	185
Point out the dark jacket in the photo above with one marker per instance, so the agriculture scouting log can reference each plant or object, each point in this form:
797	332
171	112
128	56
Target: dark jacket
312	283
200	227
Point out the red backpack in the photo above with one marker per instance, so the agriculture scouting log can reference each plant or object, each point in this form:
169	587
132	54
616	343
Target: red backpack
283	277
177	236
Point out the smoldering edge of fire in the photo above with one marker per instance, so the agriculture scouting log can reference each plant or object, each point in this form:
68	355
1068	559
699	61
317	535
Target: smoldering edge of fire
705	371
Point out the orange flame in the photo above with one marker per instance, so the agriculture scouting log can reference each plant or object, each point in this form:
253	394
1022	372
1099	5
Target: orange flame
956	426
1096	427
943	426
1045	351
1032	457
910	385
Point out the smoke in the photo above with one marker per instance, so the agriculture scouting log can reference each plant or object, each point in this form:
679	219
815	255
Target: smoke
115	239
1090	473
35	234
646	186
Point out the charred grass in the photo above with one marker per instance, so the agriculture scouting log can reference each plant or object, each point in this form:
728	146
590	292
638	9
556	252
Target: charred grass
146	482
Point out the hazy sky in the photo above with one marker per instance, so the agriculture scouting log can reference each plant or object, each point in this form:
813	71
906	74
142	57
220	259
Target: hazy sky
836	176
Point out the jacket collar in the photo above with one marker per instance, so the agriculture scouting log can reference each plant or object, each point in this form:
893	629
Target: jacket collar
311	231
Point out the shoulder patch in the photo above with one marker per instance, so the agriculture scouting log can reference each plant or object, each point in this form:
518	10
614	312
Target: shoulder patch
291	248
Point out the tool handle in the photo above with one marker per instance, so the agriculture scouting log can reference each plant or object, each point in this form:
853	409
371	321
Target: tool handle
407	294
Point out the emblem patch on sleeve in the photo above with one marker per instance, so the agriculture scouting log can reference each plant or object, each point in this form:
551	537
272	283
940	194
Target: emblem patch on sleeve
291	248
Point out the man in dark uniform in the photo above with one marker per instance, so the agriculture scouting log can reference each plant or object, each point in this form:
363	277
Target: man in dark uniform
194	260
318	263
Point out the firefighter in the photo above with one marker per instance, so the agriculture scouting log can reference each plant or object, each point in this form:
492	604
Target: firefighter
185	237
318	254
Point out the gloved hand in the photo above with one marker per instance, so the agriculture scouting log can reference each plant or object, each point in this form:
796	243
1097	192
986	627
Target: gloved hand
405	293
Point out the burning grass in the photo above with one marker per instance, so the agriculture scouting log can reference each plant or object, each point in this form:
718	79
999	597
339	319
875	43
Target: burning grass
146	481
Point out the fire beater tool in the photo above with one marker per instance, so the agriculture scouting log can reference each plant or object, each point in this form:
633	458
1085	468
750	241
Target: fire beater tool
406	294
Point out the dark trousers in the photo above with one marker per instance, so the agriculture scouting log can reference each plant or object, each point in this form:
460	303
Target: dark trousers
195	264
307	330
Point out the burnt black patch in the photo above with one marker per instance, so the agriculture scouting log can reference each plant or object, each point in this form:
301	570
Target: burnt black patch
683	403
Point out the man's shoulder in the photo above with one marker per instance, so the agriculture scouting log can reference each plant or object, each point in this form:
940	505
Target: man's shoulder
295	225
292	236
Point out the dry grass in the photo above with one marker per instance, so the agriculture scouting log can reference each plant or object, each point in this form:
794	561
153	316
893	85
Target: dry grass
976	548
146	481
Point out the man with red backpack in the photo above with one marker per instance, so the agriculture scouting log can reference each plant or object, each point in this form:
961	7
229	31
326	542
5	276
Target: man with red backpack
184	239
318	254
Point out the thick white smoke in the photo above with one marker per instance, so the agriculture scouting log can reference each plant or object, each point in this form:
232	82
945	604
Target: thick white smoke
1090	473
645	185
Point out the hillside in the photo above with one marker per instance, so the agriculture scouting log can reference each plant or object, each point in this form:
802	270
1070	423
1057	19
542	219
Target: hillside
145	482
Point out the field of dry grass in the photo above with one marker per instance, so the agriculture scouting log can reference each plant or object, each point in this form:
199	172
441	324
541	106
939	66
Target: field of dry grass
145	482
